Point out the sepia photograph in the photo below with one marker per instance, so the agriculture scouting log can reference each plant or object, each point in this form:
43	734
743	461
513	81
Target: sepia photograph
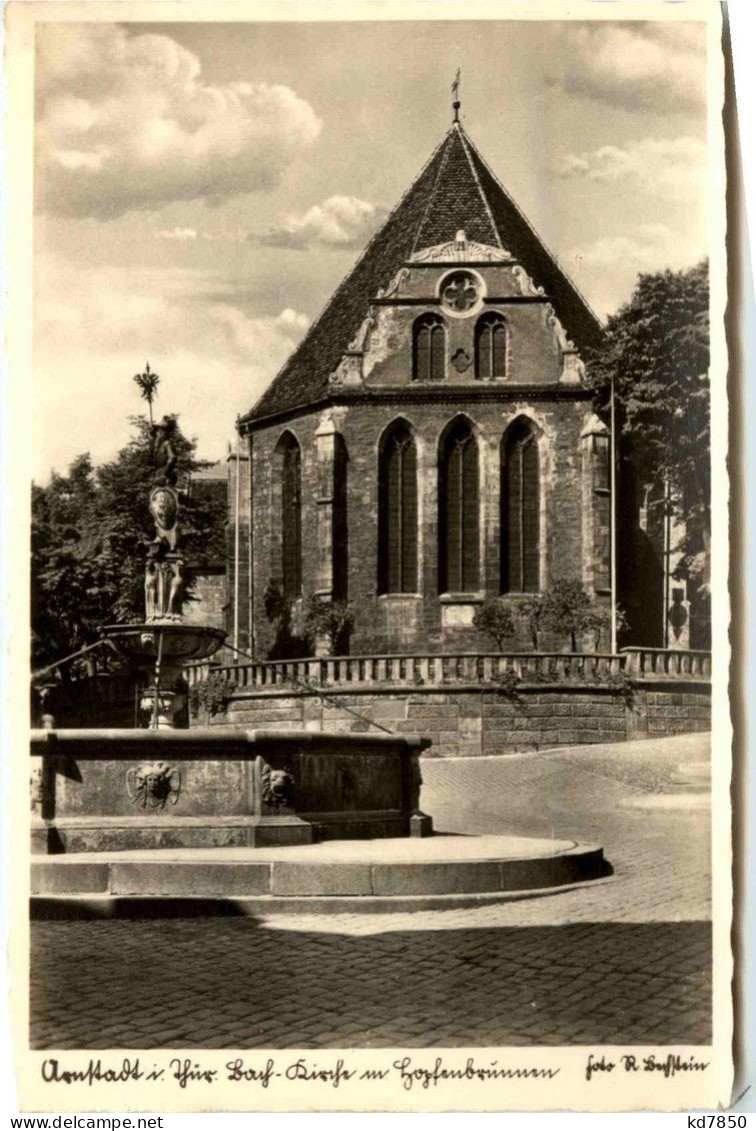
378	638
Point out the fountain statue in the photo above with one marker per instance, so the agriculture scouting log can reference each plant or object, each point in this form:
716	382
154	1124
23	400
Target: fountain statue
163	642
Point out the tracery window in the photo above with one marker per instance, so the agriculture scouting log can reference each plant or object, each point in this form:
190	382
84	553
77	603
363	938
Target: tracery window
491	348
397	512
288	486
521	511
459	511
429	348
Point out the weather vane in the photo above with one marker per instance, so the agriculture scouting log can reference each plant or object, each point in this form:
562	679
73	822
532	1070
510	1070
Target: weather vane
455	91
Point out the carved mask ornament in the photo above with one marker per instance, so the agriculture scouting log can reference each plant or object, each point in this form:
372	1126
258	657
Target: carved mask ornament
153	784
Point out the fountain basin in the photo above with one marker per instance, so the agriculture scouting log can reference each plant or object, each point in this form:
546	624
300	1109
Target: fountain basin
112	790
179	641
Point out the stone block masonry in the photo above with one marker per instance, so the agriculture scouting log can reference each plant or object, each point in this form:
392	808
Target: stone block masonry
483	720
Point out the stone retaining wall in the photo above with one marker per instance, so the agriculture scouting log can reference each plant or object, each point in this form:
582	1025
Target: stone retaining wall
474	721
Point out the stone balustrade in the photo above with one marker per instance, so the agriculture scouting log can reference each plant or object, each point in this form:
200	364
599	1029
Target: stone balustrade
459	669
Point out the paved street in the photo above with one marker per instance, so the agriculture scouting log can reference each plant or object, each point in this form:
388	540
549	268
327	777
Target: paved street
625	960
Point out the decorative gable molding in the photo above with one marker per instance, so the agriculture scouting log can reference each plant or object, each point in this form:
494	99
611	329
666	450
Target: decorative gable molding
394	285
573	367
360	343
461	250
528	289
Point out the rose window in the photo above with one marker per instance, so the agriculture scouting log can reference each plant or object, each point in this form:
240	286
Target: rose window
460	292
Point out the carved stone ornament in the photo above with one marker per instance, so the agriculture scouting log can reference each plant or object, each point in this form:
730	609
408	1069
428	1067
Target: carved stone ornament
348	371
461	250
528	289
277	787
152	784
163	589
164	511
461	360
460	292
573	368
361	341
394	285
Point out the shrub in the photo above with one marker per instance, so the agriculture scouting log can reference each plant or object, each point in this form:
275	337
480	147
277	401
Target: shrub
507	683
211	694
332	620
288	644
530	614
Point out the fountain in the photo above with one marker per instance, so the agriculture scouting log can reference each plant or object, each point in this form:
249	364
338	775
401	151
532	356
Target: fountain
221	812
123	789
162	643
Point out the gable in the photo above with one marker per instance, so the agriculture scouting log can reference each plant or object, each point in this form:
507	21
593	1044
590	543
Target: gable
455	190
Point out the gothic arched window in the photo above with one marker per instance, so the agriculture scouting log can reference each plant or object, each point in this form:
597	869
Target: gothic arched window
288	489
520	511
458	511
491	348
429	349
397	512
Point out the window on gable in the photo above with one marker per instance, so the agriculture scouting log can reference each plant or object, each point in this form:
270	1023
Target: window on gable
459	512
397	512
520	511
491	348
288	488
429	348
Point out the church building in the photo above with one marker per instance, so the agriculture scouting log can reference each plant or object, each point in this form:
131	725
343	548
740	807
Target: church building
431	443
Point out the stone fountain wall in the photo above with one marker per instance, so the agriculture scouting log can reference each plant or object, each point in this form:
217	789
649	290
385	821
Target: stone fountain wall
123	789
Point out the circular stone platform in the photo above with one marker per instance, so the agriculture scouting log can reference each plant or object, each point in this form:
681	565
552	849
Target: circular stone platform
346	875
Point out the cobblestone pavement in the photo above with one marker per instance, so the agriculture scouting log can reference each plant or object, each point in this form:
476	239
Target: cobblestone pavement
621	961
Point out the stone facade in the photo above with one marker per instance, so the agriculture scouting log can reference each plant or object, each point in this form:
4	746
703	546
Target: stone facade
408	622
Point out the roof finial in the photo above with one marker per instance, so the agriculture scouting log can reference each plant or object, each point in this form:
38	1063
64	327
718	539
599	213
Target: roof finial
455	91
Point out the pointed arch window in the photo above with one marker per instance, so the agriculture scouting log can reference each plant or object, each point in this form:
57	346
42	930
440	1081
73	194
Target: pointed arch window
491	348
288	488
459	511
521	511
397	512
429	348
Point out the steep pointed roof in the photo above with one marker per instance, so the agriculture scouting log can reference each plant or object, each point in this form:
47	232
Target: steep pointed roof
455	190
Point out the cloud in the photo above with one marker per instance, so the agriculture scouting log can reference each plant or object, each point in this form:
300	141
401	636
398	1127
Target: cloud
127	122
95	329
191	235
607	269
181	235
657	66
341	222
656	165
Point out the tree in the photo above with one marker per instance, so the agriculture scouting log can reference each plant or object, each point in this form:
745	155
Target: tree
90	530
566	606
598	625
495	618
656	353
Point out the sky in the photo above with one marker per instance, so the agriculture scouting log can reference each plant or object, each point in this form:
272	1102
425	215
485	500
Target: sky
201	189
